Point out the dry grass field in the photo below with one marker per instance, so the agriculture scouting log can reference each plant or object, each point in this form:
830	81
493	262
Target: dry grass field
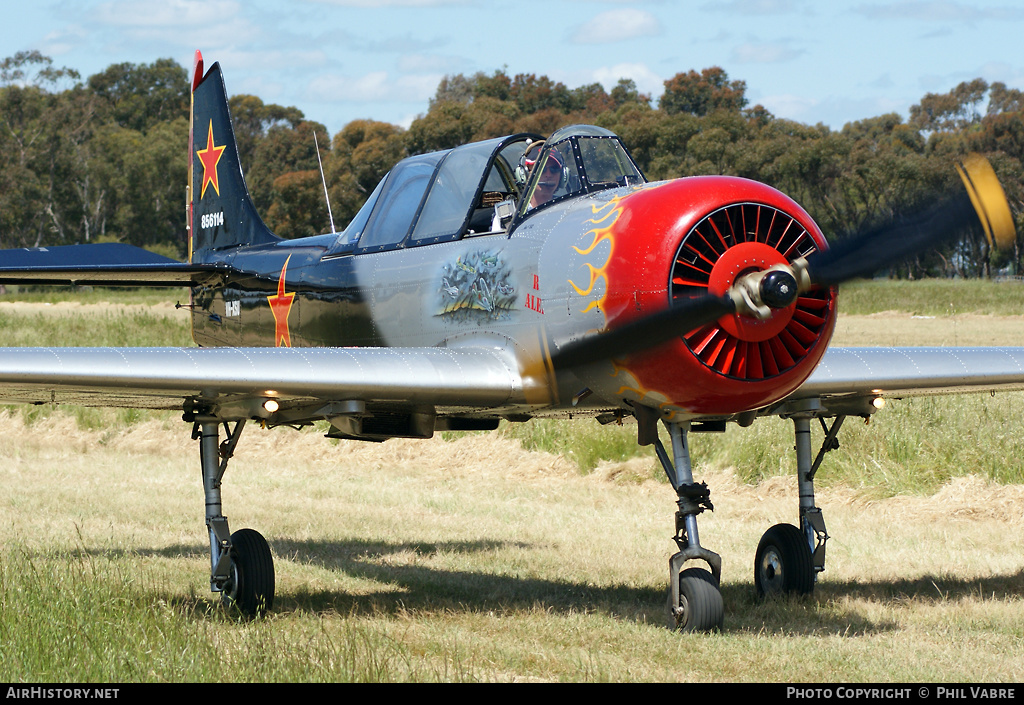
468	558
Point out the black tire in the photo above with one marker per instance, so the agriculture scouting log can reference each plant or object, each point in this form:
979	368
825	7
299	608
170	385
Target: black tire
700	603
251	587
783	564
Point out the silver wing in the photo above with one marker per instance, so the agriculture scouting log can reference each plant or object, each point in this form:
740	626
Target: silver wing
902	372
235	382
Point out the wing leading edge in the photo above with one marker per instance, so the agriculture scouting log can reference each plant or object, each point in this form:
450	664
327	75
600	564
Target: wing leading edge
450	380
902	372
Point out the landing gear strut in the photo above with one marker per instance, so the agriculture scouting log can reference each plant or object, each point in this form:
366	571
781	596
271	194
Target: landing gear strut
695	602
788	558
241	565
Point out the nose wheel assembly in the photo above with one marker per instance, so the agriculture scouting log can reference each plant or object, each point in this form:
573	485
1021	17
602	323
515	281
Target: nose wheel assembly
695	601
788	557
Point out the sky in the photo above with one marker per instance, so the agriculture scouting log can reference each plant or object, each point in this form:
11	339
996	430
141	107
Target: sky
339	60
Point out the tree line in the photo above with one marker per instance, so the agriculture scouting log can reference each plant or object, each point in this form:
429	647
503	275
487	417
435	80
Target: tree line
103	159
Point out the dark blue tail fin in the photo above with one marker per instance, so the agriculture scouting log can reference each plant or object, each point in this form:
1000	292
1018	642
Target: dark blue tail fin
221	212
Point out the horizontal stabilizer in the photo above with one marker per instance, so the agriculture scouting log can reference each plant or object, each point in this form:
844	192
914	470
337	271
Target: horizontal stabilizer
106	264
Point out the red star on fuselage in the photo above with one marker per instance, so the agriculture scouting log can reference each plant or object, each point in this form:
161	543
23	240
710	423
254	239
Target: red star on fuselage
210	157
281	306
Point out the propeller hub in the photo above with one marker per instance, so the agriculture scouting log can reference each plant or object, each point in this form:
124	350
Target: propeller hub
778	289
738	273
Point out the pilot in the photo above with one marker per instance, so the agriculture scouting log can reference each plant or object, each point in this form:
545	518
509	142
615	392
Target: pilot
550	180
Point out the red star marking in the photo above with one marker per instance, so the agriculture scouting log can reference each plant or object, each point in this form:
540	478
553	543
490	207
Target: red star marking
209	157
280	306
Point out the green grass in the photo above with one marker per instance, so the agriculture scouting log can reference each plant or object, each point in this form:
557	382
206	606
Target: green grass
116	328
96	294
400	562
912	446
584	441
933	297
104	619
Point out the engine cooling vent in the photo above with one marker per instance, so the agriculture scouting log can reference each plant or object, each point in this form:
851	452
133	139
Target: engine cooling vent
734	239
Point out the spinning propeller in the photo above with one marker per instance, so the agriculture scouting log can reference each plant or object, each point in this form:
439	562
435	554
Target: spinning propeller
759	294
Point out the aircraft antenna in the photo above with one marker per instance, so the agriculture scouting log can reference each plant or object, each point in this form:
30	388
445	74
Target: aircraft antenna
323	180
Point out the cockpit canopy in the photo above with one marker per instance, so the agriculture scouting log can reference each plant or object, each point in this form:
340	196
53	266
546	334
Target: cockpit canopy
588	158
452	194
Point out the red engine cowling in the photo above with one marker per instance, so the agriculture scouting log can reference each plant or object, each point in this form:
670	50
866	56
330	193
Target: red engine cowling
694	236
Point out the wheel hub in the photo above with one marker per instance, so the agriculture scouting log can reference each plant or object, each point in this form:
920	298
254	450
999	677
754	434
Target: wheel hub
771	571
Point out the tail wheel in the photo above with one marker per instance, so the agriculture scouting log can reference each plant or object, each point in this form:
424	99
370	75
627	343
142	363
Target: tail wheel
700	607
251	588
726	244
783	563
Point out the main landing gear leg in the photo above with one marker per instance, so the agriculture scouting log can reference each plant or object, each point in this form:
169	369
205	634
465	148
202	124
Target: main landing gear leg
788	558
241	565
695	602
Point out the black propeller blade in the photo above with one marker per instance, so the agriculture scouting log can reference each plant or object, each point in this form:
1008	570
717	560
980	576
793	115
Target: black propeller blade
645	332
981	201
892	243
897	241
858	256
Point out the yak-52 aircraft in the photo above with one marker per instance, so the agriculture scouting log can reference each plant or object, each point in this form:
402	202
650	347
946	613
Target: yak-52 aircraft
512	278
